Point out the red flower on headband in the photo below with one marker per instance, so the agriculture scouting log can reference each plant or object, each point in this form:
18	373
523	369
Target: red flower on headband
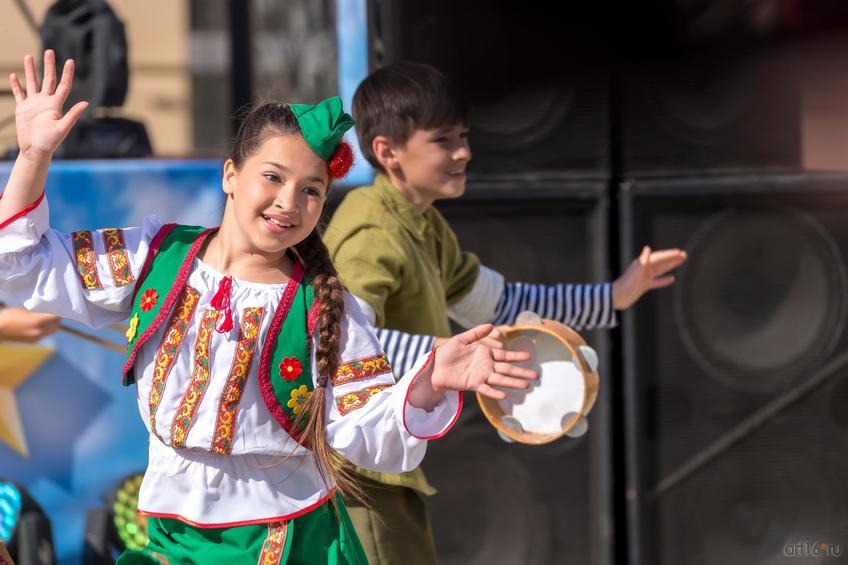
148	299
341	161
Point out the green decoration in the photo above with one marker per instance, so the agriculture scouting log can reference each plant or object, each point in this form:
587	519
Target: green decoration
323	125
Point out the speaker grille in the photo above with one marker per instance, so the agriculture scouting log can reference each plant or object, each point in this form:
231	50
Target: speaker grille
538	101
762	326
737	447
711	112
509	503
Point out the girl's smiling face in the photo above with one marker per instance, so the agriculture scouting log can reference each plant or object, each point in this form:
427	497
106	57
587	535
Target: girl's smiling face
276	197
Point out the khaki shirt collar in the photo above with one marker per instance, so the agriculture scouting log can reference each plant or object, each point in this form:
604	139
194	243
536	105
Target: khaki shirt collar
412	220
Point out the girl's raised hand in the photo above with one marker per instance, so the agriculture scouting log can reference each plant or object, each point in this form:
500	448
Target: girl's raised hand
41	127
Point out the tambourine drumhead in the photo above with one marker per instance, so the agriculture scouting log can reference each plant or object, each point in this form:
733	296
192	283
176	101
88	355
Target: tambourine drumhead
562	396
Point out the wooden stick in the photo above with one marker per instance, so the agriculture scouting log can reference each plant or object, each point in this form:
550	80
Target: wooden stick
93	339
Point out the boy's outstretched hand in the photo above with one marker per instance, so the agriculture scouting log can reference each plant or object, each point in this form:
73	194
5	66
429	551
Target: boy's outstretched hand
41	127
464	363
646	272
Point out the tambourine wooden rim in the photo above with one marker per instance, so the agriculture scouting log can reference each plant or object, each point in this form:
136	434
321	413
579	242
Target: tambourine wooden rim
572	341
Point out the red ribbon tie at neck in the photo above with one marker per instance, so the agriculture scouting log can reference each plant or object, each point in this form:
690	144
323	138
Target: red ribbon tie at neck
221	301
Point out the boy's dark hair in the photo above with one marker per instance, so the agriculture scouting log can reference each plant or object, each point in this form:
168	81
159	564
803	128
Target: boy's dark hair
397	99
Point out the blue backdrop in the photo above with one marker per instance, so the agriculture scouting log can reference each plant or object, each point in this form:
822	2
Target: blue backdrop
81	426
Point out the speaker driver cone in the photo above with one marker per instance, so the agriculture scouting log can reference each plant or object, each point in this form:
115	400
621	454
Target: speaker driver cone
762	298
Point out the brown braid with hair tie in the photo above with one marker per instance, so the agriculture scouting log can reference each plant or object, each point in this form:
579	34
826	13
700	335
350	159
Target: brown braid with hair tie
329	293
261	123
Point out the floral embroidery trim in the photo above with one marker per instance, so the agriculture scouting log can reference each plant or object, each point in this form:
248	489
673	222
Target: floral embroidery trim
170	298
170	347
274	544
86	259
116	253
299	396
362	369
190	402
225	421
149	299
351	401
132	330
290	368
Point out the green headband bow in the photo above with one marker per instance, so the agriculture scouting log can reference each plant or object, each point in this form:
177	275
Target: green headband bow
323	125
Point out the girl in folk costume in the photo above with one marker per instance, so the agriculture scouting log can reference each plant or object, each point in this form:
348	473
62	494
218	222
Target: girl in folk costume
256	373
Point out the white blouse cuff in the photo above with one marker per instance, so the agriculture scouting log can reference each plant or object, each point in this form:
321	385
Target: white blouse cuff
25	228
420	423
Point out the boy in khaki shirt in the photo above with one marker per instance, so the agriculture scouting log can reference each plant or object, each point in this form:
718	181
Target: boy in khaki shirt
398	256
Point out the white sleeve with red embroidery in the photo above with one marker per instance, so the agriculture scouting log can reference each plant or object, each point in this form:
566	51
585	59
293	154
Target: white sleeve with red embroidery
369	420
87	276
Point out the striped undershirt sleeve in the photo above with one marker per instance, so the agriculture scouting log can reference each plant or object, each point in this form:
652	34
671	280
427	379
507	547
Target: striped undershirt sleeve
403	349
581	306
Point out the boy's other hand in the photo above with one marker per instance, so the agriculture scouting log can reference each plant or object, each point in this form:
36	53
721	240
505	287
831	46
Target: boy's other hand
646	272
19	324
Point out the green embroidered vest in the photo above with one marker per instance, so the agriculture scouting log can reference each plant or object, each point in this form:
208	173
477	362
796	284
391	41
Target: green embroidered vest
285	376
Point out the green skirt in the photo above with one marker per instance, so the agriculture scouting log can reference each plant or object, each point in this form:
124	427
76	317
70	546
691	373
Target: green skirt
321	536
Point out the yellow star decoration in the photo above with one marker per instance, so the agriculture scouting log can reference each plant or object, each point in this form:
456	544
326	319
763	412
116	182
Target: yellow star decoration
18	362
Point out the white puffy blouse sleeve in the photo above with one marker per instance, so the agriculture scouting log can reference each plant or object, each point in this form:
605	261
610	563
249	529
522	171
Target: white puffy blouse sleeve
86	276
369	420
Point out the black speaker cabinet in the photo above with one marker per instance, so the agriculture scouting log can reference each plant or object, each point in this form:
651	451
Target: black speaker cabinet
537	100
32	543
99	533
725	110
32	536
515	504
736	379
90	33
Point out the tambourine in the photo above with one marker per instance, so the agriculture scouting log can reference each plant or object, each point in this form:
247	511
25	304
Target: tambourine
556	404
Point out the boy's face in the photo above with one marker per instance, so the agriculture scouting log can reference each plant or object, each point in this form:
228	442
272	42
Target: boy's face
432	162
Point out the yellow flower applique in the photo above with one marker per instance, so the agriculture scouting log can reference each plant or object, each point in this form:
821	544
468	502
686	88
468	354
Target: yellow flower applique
298	399
133	329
